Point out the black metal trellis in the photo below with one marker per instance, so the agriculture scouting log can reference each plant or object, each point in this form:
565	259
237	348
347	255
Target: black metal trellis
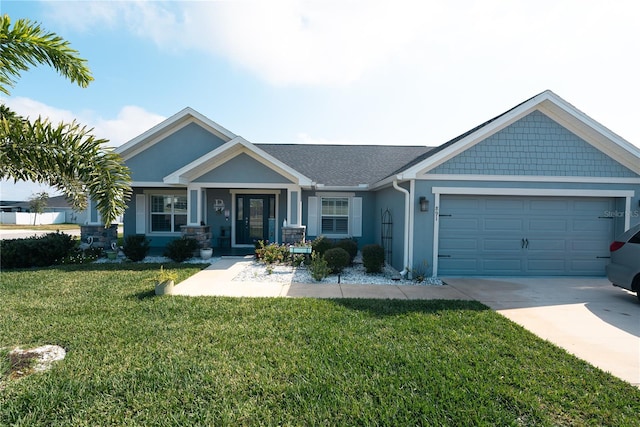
387	234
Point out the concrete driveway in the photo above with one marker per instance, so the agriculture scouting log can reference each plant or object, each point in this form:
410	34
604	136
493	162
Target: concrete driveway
586	316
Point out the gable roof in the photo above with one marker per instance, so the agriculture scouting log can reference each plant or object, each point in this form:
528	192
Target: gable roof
167	127
344	165
228	151
549	104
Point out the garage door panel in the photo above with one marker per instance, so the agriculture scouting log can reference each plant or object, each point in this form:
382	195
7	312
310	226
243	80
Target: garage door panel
463	265
596	225
501	265
548	225
588	245
546	266
502	224
504	245
589	266
503	205
487	235
454	244
545	245
459	224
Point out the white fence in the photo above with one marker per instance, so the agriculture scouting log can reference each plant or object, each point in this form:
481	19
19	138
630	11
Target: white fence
25	218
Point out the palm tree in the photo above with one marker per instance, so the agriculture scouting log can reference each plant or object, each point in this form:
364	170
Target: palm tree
65	156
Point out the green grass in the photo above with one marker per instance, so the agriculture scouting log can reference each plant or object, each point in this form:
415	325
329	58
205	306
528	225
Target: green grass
136	359
47	227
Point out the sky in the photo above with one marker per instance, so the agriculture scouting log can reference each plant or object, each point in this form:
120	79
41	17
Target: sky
395	72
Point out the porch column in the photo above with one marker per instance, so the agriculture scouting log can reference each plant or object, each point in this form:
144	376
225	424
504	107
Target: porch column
194	205
294	206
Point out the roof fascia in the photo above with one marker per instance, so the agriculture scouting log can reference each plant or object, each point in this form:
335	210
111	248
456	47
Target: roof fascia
172	124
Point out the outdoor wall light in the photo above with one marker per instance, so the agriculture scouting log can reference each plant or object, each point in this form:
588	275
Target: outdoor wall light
424	204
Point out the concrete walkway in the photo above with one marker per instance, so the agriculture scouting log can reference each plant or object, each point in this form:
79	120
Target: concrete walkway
217	280
586	316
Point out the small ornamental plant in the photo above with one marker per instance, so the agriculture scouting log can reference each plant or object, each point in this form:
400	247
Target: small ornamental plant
164	281
318	268
165	275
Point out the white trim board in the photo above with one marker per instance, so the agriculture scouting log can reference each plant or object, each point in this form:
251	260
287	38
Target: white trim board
481	191
529	178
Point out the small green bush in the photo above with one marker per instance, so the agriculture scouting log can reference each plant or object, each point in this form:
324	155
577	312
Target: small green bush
337	259
181	249
318	267
136	247
37	251
349	245
373	258
272	253
321	244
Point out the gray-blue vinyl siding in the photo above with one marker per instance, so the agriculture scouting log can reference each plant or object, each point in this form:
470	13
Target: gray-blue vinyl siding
172	153
535	145
243	169
392	200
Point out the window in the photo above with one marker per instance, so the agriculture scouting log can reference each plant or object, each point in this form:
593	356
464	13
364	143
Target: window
168	213
335	215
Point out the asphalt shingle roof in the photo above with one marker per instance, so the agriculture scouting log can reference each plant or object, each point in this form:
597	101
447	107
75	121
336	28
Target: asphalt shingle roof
345	165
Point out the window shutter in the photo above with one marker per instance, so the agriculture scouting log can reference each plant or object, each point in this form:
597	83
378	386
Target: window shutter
141	214
312	216
356	217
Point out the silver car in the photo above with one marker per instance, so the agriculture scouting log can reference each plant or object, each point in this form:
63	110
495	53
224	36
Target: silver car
624	268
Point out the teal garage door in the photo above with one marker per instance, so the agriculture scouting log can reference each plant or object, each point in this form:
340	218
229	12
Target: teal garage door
532	236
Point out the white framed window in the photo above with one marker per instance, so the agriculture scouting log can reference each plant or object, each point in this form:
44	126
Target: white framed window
334	216
168	212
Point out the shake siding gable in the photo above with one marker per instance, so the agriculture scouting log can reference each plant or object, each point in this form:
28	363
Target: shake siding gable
534	146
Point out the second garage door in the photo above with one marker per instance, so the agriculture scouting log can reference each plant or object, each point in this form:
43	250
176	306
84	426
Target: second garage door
504	235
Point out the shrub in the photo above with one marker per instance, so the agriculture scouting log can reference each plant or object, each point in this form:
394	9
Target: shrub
318	267
320	245
337	259
42	251
181	249
349	245
272	253
136	247
373	258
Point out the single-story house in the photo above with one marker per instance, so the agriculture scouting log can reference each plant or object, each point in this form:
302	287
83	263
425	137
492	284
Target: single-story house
541	189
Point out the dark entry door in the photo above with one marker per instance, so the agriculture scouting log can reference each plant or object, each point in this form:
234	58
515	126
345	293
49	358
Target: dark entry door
255	218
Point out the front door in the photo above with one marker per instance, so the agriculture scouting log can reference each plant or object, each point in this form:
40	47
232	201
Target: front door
255	218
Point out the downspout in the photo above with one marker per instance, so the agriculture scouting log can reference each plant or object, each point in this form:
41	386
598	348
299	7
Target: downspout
407	196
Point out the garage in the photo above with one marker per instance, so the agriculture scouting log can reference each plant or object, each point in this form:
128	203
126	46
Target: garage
524	235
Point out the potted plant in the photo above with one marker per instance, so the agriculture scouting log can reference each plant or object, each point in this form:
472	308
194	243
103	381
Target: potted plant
165	281
206	253
113	253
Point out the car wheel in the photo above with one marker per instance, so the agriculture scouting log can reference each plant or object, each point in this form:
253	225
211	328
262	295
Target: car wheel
636	286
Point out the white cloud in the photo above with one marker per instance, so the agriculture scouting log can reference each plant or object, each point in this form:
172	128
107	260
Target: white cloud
130	121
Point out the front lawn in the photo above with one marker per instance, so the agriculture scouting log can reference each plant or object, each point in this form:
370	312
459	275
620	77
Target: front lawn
136	359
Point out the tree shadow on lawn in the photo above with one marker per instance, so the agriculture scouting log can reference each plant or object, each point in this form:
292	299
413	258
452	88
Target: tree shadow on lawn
394	307
126	266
